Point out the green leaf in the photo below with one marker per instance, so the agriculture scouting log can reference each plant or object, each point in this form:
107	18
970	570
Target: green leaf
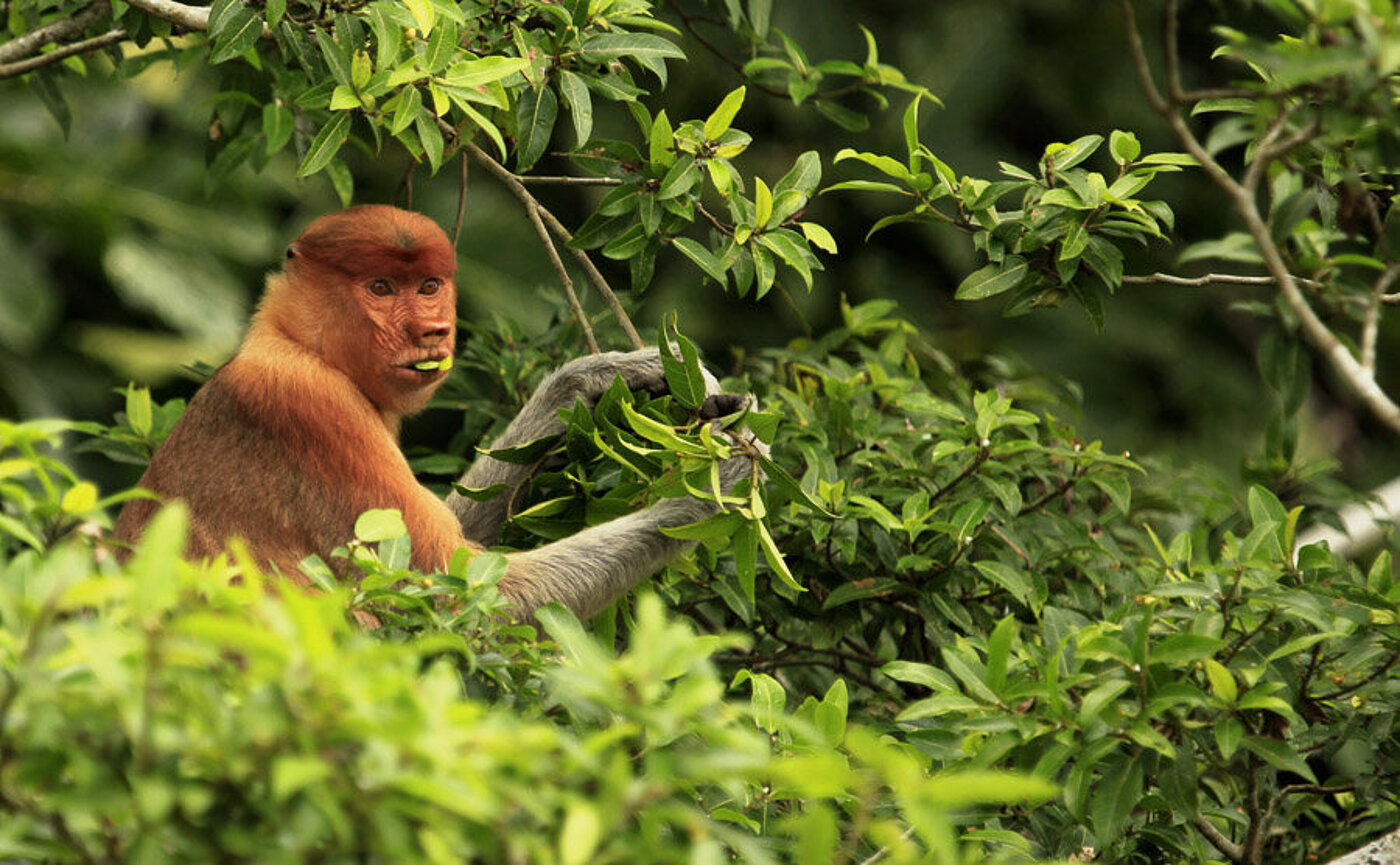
611	46
580	103
762	203
429	136
661	142
791	250
804	176
994	279
278	124
774	557
380	524
720	119
1185	159
1061	157
326	144
702	257
767	701
580	834
1280	756
535	114
1124	146
1229	732
480	71
1222	682
1013	579
1184	648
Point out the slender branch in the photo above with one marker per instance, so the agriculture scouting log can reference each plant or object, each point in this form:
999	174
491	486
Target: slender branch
62	30
96	43
1173	56
1314	330
1370	328
1211	279
1139	55
1229	849
596	277
532	209
549	180
1257	853
188	17
548	220
461	203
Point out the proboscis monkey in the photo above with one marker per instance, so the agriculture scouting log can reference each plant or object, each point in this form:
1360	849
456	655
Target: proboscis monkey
298	434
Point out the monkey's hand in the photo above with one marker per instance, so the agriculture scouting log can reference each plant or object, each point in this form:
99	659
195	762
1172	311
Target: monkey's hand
582	379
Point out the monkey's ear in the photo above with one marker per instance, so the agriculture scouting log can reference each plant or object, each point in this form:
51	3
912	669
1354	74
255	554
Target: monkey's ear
291	251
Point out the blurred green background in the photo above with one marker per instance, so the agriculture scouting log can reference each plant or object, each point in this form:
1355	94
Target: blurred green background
119	261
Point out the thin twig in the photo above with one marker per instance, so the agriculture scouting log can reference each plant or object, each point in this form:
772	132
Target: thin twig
514	183
1370	328
596	277
96	43
1211	279
1315	331
188	17
532	209
1256	853
62	30
1229	849
461	203
550	180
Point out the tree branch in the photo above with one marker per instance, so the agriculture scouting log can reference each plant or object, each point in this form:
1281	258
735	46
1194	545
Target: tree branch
1211	279
1315	331
188	17
1370	328
62	30
1229	849
21	67
534	210
596	277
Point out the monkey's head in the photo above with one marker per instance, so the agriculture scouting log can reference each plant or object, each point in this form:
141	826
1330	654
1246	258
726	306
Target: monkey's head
371	291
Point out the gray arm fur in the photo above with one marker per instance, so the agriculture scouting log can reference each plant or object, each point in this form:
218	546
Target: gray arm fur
587	571
591	569
584	378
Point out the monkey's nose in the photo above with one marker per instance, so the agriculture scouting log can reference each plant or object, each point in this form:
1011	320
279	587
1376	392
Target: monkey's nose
430	331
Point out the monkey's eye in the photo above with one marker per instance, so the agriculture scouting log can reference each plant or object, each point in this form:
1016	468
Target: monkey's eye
381	288
430	285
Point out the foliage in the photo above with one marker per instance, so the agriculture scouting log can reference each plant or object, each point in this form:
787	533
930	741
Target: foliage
170	710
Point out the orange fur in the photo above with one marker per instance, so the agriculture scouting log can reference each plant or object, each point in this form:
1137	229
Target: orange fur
297	435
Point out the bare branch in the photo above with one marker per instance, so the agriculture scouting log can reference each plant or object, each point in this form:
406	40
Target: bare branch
1229	849
535	211
532	208
547	180
1140	65
62	30
1210	279
96	43
1370	328
596	277
188	17
461	202
1315	331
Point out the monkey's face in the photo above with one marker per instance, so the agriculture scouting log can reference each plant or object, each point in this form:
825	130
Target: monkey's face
397	337
390	306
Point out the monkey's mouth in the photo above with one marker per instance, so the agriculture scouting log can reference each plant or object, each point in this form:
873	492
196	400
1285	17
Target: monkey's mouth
430	365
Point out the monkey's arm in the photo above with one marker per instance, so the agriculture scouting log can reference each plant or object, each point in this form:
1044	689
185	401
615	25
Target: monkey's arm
582	379
589	570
